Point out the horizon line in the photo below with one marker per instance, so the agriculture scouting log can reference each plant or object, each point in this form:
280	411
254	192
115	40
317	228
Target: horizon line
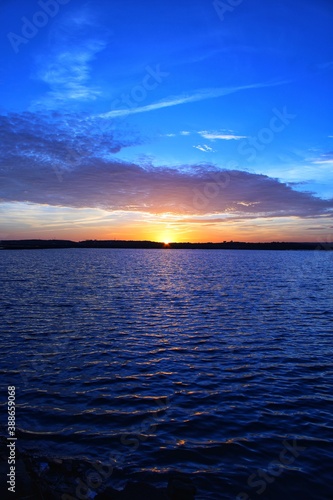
167	242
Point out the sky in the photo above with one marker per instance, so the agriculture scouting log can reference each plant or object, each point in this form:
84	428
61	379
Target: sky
167	121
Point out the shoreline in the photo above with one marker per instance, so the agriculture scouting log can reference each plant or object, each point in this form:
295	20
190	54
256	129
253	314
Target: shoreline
35	244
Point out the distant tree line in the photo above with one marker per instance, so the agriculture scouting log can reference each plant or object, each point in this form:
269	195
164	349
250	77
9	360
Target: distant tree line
227	245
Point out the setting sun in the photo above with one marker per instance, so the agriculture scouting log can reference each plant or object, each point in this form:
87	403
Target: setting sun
166	237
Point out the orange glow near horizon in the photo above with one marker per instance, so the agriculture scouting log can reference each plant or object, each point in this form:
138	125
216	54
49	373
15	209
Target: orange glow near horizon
185	233
24	222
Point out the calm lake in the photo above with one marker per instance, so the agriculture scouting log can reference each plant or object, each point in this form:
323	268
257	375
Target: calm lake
217	363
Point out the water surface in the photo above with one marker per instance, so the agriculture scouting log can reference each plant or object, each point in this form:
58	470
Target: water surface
209	362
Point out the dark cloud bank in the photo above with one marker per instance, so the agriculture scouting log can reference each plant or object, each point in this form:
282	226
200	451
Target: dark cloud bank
70	161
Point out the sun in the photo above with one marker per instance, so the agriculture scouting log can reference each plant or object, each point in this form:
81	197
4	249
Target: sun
165	238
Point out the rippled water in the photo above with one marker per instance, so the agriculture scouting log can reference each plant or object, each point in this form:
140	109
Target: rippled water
217	363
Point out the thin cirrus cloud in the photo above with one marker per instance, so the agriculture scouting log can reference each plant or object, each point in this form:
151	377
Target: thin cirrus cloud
325	159
221	136
199	95
204	148
56	163
67	68
67	74
211	136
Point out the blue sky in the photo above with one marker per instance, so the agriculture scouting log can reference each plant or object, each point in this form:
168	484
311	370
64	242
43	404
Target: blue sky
184	121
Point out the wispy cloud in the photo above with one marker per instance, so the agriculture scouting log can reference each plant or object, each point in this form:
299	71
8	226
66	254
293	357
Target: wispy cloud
324	162
325	159
205	148
199	95
68	74
211	136
319	228
67	69
221	136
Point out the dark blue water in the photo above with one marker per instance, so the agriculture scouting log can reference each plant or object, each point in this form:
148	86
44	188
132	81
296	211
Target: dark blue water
215	363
